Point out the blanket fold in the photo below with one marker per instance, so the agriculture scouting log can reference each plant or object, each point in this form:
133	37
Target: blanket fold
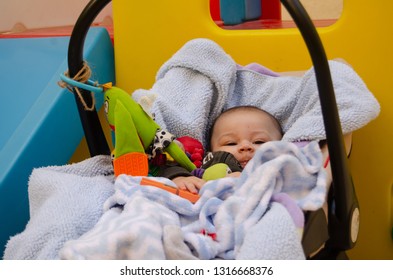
177	81
203	78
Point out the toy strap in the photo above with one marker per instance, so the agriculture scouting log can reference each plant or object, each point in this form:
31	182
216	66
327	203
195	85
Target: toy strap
81	80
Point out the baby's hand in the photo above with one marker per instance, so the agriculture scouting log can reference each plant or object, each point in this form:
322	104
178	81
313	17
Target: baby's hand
191	183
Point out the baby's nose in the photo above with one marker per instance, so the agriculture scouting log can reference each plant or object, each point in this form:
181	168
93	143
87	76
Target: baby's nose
246	147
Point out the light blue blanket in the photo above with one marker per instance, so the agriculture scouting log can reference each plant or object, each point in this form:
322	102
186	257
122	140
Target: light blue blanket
143	222
205	80
79	211
65	202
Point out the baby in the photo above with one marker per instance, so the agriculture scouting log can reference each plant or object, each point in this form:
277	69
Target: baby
235	136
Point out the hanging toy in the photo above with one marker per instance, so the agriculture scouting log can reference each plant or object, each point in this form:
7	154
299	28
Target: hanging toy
136	132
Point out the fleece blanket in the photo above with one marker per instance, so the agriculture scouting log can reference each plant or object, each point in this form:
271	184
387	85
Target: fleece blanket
79	211
65	202
144	222
203	78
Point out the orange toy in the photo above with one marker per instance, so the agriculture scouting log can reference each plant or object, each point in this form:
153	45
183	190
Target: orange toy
184	194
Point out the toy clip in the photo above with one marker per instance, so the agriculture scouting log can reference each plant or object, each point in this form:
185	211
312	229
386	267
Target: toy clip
89	85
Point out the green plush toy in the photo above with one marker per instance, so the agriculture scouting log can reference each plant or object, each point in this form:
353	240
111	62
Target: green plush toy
135	131
216	171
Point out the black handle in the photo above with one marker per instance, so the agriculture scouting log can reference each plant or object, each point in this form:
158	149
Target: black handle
95	137
345	201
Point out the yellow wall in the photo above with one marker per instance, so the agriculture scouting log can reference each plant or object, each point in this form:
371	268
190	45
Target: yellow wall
147	33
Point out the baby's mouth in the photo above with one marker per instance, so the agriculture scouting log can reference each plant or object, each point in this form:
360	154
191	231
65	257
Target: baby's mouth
243	163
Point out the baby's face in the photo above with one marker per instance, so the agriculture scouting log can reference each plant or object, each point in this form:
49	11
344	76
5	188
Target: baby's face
242	132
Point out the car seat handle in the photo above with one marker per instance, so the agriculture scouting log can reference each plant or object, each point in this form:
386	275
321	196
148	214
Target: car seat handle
345	211
94	134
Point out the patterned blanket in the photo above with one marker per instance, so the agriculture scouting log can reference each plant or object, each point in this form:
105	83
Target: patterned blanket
145	222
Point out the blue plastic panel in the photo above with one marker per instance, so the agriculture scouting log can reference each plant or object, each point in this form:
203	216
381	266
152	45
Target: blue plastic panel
39	121
232	11
237	11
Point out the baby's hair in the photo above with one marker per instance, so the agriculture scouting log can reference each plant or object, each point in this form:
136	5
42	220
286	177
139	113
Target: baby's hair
242	108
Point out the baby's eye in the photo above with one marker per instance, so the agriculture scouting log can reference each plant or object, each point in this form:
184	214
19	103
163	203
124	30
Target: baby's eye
230	144
259	142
